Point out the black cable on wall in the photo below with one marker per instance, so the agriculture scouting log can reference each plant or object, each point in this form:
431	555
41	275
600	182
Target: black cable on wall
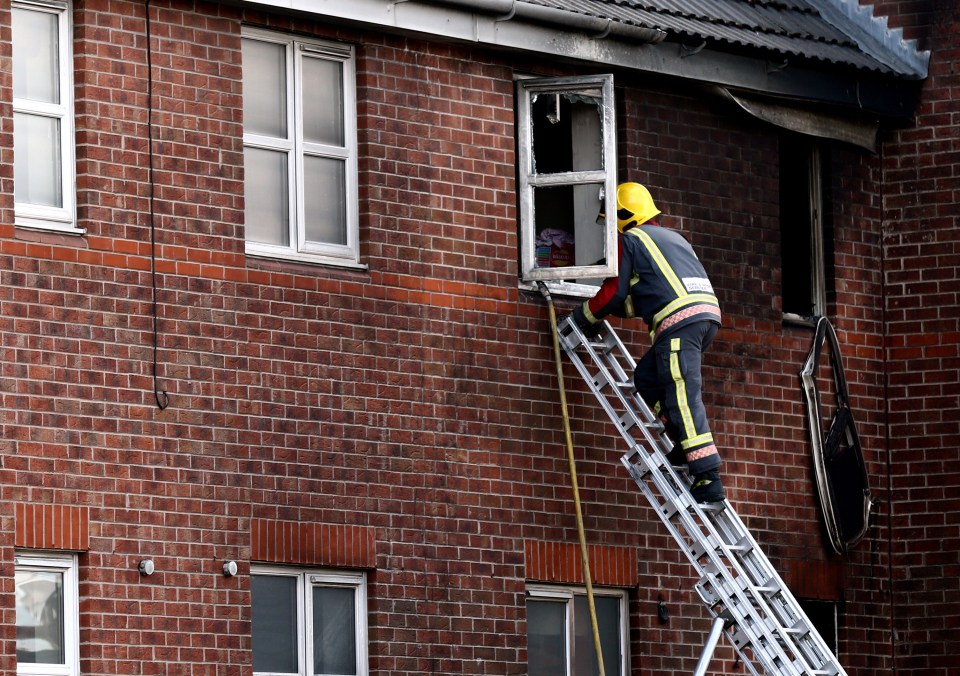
163	400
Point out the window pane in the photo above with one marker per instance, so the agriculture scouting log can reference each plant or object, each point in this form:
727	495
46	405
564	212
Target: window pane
608	626
274	623
36	160
267	213
265	88
546	647
325	200
565	218
323	101
334	631
567	132
39	617
35	56
555	226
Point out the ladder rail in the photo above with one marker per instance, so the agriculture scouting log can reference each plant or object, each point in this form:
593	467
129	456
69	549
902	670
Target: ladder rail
810	643
735	577
711	607
708	561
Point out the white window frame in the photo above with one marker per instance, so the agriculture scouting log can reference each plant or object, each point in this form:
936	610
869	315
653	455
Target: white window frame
566	594
306	580
818	281
296	49
65	564
529	180
61	219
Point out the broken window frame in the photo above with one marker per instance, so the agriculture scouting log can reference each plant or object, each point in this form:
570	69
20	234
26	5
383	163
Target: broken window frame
837	440
605	178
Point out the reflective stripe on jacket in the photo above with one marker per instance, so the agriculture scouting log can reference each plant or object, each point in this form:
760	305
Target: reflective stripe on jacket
660	279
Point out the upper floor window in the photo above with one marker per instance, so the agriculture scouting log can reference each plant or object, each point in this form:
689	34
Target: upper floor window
805	239
566	145
43	129
560	631
309	622
47	614
300	148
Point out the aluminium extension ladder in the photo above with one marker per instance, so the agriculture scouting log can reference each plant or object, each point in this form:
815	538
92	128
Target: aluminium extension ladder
749	602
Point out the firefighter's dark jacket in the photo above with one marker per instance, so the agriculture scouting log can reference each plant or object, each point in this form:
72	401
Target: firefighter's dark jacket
660	280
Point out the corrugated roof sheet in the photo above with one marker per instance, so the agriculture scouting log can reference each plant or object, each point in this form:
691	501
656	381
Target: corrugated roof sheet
830	31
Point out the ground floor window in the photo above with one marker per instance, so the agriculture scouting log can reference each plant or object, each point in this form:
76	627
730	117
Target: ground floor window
309	622
47	614
560	632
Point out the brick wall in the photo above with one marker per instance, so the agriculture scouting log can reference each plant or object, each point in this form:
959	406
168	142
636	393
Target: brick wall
83	431
923	349
403	420
8	618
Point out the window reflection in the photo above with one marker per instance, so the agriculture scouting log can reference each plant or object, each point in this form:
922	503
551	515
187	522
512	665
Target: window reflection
39	617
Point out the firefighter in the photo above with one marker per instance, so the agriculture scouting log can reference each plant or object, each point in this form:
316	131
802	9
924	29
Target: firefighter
661	281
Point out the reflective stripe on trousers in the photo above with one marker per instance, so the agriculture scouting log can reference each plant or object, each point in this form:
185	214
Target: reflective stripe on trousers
668	376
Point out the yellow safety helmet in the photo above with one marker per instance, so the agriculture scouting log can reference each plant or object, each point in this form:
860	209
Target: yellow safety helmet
634	206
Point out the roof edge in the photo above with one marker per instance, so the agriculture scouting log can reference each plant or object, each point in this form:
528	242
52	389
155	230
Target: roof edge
596	27
875	37
890	98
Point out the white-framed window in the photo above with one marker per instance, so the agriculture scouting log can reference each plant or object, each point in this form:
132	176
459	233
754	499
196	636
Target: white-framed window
309	622
300	149
566	148
560	632
805	237
47	614
44	172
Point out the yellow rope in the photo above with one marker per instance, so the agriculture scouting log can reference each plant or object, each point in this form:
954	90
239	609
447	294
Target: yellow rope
584	556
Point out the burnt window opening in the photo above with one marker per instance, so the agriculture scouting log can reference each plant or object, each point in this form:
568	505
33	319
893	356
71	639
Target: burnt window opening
806	235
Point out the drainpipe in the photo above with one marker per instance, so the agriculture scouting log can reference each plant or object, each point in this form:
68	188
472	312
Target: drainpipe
596	27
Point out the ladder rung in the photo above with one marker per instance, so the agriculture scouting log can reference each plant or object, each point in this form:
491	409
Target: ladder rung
669	508
742	546
712	508
600	343
629	419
